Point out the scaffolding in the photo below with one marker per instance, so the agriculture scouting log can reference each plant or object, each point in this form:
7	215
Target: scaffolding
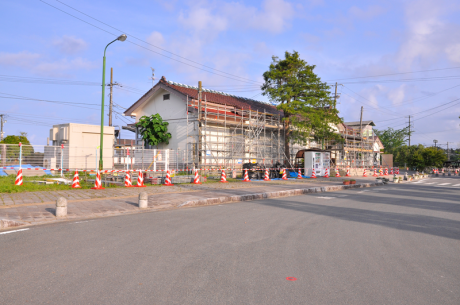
356	150
229	136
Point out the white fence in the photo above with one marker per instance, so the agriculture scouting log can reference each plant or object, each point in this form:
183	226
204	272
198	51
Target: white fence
87	158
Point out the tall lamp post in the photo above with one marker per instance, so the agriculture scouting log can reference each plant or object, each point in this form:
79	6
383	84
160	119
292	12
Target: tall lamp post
120	38
435	141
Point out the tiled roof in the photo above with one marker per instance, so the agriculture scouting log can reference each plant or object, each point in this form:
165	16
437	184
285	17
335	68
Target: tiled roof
221	97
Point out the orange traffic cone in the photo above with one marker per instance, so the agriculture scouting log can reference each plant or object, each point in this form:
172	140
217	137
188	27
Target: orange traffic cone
223	177
386	171
397	171
18	180
197	178
267	176
76	181
284	175
375	173
128	180
381	171
246	177
168	179
299	175
364	173
348	172
337	173
97	182
326	174
140	180
313	174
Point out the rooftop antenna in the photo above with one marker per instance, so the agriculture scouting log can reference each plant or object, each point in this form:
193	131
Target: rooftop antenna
153	76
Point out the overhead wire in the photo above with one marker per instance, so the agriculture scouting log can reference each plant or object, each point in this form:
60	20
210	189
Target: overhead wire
234	77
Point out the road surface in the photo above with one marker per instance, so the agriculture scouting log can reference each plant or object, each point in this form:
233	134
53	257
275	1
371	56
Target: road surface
394	244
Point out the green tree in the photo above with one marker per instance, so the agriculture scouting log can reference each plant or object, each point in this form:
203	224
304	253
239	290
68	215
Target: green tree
309	110
13	150
153	130
419	157
392	138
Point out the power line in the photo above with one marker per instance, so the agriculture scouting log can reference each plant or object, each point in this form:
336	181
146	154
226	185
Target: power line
233	77
358	77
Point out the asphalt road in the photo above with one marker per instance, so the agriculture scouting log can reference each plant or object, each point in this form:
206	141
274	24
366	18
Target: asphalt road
394	244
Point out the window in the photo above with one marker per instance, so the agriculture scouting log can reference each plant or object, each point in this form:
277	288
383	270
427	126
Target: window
165	97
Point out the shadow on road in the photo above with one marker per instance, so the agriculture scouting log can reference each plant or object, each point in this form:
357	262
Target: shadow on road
409	222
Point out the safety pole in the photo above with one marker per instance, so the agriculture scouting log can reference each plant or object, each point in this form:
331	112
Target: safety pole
20	155
62	157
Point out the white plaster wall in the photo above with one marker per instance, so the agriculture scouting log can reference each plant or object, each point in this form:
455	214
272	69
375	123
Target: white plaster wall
174	112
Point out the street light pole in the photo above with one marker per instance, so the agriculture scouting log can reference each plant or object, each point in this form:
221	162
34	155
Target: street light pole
121	38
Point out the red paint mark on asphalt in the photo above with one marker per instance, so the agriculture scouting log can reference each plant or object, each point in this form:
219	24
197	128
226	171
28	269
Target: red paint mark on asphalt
290	278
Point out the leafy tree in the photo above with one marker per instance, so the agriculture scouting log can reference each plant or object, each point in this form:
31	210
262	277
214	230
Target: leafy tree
309	110
417	156
153	129
13	150
392	138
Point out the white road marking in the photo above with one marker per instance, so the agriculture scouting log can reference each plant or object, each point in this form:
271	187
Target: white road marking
456	185
14	231
444	183
326	197
81	221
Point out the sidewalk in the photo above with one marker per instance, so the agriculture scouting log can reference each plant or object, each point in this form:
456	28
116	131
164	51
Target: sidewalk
39	207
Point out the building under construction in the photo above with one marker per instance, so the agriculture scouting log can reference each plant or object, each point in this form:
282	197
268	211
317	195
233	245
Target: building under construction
216	129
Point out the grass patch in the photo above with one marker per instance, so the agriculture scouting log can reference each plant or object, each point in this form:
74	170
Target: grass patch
7	184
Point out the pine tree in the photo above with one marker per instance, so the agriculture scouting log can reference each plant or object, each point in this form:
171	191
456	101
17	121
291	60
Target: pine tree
309	109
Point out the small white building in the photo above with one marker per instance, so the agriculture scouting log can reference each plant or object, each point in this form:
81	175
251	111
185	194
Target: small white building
81	146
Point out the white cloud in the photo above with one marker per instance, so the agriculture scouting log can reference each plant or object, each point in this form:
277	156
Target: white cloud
156	38
453	53
36	63
366	14
21	59
396	96
70	44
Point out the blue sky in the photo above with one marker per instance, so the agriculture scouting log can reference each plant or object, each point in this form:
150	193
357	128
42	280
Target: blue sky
348	41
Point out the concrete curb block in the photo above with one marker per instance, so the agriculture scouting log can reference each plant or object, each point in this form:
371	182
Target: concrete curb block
5	223
288	193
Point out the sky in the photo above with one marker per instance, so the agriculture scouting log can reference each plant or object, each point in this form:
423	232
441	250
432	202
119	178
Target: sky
393	58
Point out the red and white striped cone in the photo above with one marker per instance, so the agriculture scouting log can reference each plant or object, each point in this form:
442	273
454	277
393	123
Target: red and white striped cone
76	181
197	178
364	173
97	182
299	175
313	174
168	179
246	177
386	172
140	180
326	174
223	177
128	180
375	173
397	171
284	177
381	171
337	174
391	171
18	180
348	172
267	176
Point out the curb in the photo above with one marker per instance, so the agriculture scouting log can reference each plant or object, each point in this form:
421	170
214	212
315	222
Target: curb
5	223
289	193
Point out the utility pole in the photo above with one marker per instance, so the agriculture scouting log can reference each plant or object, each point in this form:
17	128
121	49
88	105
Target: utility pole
335	96
409	130
111	97
3	121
